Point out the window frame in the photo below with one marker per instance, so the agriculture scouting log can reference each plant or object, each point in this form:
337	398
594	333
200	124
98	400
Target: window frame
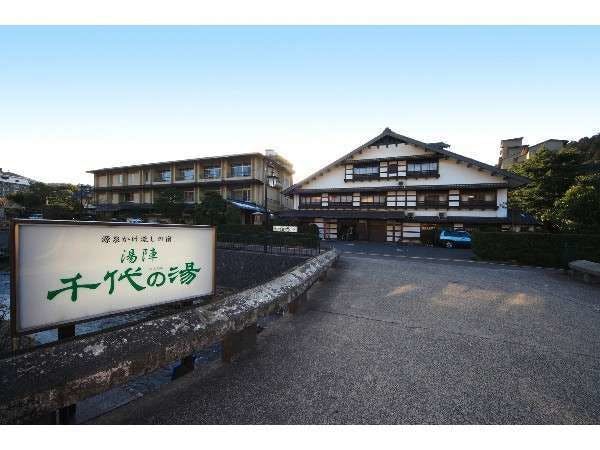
365	171
373	195
207	170
426	167
187	191
180	175
478	198
302	203
245	167
344	200
245	190
124	195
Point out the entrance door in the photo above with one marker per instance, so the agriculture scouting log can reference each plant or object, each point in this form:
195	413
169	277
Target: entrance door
377	230
361	230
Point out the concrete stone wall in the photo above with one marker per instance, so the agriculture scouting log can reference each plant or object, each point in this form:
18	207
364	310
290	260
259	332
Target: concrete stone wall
47	378
242	270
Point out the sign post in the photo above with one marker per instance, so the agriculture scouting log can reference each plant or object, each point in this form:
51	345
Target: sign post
67	272
285	228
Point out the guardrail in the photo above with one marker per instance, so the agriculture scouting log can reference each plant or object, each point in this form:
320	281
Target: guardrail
278	243
47	379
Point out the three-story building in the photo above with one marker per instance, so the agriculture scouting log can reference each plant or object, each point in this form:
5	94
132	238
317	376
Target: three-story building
393	187
241	178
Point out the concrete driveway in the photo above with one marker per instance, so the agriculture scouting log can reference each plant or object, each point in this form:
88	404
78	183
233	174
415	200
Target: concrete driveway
400	340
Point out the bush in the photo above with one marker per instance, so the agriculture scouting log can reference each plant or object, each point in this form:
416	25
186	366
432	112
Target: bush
539	249
429	237
255	234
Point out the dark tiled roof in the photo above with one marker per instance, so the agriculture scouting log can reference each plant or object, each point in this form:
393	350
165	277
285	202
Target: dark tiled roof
514	219
429	187
278	159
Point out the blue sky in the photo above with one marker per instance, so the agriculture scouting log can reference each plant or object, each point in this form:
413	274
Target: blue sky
77	98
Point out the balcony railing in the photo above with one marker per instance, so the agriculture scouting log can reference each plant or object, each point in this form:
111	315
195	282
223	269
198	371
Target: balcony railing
478	205
373	205
242	171
432	204
340	204
422	173
365	176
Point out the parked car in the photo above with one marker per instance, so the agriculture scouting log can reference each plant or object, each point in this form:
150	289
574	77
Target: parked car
134	220
454	238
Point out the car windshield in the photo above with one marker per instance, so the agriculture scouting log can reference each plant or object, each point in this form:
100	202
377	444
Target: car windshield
458	234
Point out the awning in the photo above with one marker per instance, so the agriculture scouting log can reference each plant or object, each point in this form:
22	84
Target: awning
247	206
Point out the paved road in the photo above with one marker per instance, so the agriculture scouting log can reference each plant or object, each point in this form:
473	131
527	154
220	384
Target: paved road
400	340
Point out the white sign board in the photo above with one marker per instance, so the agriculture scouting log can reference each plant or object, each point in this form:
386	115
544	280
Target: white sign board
285	228
67	272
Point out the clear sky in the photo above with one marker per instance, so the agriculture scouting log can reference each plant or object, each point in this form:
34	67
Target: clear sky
79	98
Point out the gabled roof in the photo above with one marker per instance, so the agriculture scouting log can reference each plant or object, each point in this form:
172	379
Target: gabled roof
437	147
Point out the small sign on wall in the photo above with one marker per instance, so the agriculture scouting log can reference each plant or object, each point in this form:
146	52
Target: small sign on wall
285	228
64	272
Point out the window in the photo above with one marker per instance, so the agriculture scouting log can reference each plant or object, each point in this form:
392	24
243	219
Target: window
241	195
240	169
478	198
396	198
310	201
422	168
369	199
432	199
365	171
126	197
340	200
185	174
117	179
132	178
392	169
188	196
212	172
163	176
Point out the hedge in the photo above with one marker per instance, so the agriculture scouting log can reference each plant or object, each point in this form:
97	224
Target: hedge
538	249
255	234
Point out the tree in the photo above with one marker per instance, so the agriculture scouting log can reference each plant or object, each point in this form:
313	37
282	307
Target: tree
170	204
578	210
54	200
33	198
588	146
563	193
214	210
551	175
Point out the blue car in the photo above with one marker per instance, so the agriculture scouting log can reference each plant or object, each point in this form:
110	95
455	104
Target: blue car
451	239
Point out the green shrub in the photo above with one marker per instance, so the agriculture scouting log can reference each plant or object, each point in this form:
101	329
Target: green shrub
538	249
429	237
255	234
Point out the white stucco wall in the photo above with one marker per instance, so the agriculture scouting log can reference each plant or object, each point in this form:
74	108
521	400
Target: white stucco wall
502	199
389	151
450	172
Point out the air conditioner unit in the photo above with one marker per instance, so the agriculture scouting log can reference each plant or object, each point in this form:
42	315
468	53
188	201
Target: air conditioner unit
400	183
442	215
410	214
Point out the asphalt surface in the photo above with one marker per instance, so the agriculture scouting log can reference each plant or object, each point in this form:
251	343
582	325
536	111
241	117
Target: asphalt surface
399	340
